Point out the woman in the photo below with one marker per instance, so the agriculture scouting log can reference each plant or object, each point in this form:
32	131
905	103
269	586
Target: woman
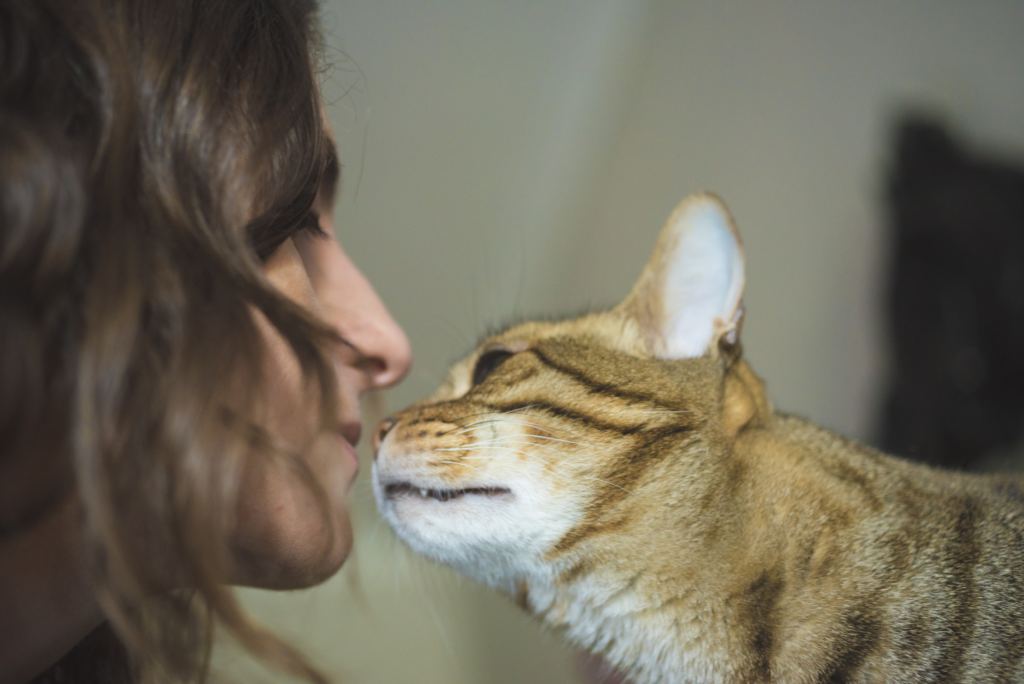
182	341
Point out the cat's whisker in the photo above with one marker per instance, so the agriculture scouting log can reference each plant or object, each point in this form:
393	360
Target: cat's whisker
440	628
496	440
494	458
477	425
459	463
375	530
460	429
472	415
500	413
517	410
559	439
533	425
515	451
522	422
509	458
501	442
490	457
566	441
524	439
587	477
486	421
520	439
465	447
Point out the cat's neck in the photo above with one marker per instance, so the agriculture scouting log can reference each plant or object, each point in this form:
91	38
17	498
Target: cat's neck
659	624
660	614
622	596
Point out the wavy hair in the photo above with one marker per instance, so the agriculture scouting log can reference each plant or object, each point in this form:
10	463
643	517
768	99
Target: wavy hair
150	152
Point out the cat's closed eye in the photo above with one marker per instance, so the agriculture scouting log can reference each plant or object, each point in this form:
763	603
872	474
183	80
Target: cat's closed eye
487	362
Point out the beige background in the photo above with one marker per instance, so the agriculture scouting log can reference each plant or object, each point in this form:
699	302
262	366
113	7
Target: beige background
516	158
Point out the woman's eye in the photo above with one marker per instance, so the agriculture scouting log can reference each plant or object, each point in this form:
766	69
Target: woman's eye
310	225
487	362
267	238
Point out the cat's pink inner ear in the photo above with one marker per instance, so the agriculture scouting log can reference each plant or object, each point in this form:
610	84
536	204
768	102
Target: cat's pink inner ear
688	296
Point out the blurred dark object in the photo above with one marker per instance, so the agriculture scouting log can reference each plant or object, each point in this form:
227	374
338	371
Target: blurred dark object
595	670
955	300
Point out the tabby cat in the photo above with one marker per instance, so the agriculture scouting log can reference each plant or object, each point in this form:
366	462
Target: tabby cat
625	478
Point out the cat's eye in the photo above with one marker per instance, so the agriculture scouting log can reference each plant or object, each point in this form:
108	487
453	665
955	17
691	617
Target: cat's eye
487	362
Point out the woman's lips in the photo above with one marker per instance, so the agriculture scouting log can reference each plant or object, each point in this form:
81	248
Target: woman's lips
350	452
349	433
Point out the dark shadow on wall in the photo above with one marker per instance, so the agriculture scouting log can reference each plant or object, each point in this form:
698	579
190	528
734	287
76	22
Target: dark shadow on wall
955	302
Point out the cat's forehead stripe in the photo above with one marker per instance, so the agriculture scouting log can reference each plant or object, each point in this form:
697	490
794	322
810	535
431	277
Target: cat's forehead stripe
525	408
607	387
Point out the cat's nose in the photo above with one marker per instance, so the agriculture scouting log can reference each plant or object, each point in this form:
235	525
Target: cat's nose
381	432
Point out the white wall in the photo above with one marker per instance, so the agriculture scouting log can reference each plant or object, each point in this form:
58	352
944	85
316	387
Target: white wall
518	158
784	109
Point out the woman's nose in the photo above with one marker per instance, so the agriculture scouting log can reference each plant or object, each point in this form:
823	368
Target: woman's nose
385	349
349	303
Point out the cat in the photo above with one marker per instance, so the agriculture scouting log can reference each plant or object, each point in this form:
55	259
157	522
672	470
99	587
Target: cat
624	477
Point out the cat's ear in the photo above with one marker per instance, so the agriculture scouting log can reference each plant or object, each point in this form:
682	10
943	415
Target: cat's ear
687	300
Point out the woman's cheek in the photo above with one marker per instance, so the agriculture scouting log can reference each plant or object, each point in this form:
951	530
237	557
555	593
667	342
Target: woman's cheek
292	528
288	408
283	539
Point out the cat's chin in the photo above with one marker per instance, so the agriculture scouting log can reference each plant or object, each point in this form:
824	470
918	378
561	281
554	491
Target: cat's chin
485	530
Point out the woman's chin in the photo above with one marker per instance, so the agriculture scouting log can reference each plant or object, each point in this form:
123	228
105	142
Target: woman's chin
288	535
297	563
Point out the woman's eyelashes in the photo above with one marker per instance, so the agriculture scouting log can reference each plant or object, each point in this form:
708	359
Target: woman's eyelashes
265	243
310	224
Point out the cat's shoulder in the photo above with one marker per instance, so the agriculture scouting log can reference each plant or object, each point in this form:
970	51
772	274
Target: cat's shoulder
887	471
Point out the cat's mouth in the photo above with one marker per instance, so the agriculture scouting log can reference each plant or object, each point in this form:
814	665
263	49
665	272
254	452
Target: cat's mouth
398	489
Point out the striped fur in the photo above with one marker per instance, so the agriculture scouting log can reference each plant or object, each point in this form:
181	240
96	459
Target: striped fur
658	511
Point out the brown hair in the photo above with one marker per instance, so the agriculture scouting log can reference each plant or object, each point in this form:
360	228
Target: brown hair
150	153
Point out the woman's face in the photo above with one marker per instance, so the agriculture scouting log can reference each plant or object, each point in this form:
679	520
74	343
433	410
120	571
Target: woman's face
282	539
